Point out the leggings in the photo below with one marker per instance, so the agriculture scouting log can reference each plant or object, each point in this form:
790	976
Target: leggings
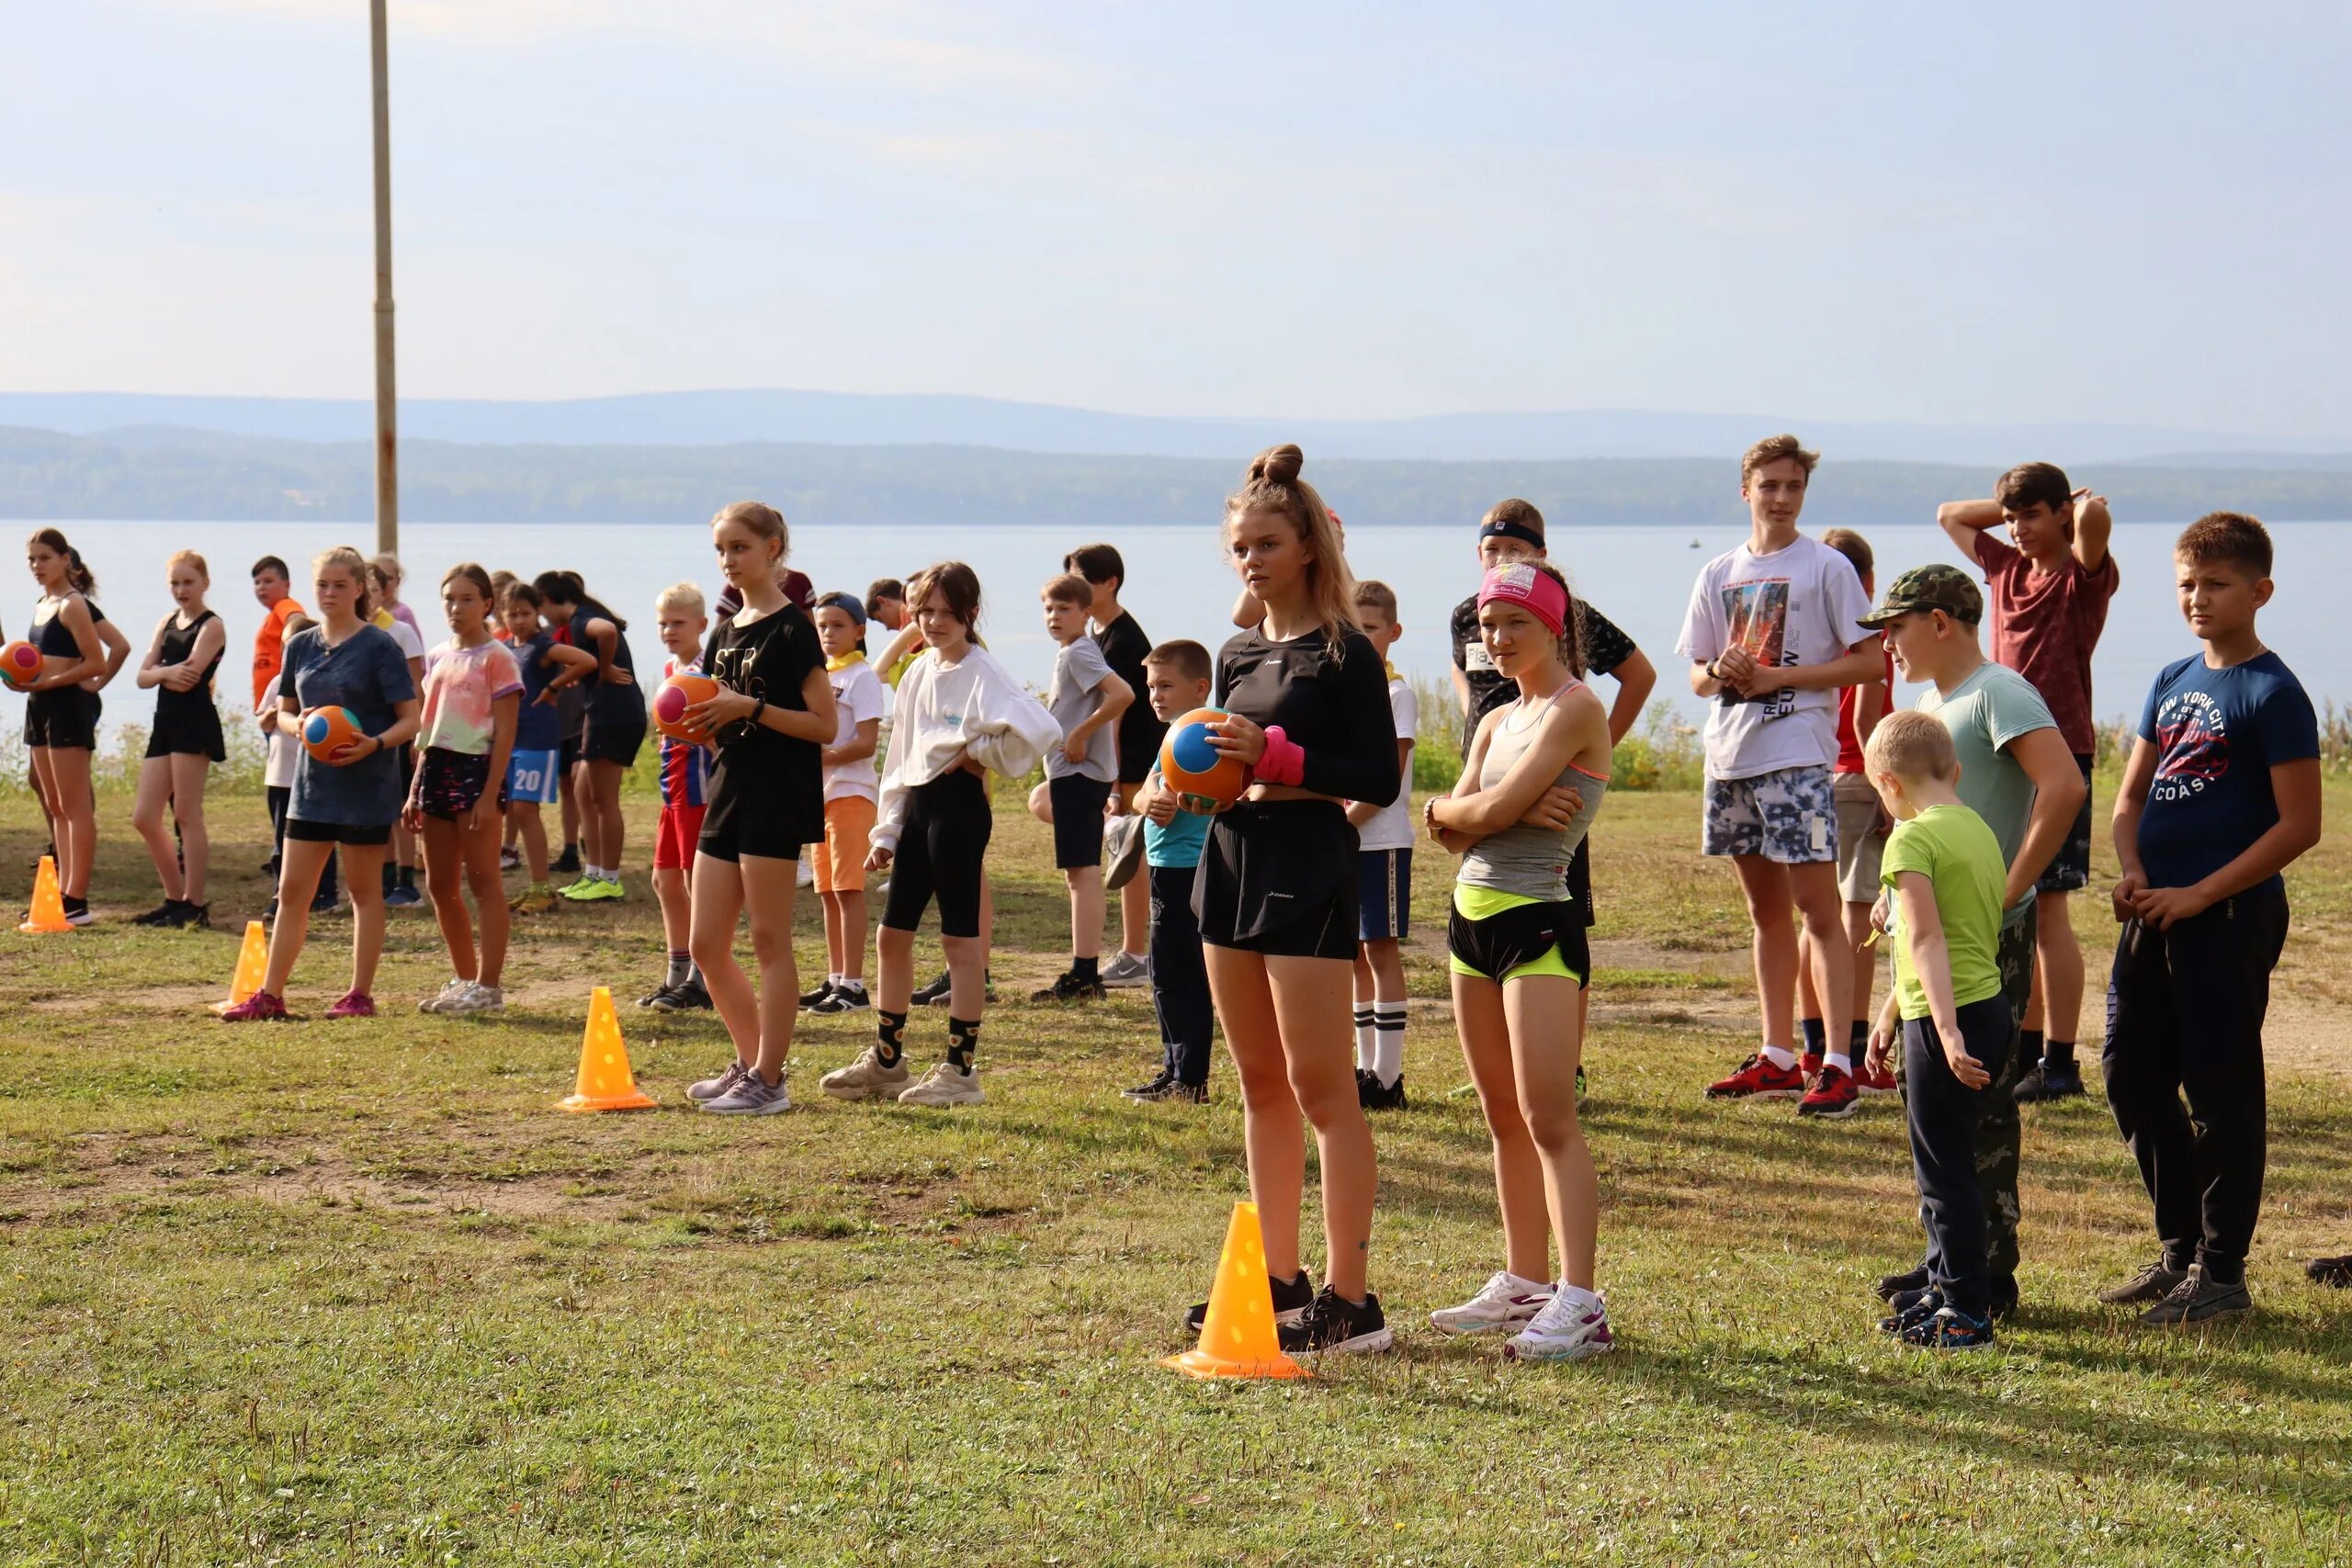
941	848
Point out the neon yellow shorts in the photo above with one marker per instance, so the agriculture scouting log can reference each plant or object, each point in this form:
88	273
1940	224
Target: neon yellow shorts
1510	936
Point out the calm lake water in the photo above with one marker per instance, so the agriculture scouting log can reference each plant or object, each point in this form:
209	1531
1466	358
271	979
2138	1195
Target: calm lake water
1179	585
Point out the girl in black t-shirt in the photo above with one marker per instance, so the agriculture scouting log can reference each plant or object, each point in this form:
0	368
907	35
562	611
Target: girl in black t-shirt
772	710
1307	700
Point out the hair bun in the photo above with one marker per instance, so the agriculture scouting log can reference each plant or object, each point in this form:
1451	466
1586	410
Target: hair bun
1277	466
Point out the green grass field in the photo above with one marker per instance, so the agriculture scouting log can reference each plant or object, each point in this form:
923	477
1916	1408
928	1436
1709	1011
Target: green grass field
358	1293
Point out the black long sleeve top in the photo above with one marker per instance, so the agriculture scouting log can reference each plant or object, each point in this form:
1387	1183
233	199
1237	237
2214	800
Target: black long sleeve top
1335	706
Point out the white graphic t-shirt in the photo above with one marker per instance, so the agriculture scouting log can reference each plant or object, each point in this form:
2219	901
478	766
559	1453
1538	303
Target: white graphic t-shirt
1801	604
1393	829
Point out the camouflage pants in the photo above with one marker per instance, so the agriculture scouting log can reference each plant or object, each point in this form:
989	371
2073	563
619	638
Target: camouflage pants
1998	1132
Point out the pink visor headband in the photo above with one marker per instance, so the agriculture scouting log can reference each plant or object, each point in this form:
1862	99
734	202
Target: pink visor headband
1538	591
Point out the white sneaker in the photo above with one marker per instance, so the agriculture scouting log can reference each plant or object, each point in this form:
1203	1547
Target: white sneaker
475	998
945	1085
439	1000
752	1097
867	1078
1504	1301
1125	970
712	1087
1563	1331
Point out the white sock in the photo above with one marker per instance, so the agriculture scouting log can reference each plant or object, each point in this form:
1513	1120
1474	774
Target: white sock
1780	1057
1841	1061
1388	1041
833	977
851	983
1367	1052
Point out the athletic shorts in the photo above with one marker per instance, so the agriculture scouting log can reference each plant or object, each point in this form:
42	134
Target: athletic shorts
1383	894
1280	877
189	729
65	718
618	741
677	836
359	836
2070	869
1580	882
534	776
453	783
1859	841
734	834
942	847
1078	804
849	833
1498	936
1789	817
570	753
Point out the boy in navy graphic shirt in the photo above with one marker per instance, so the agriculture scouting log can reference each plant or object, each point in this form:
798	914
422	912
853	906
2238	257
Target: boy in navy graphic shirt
2221	794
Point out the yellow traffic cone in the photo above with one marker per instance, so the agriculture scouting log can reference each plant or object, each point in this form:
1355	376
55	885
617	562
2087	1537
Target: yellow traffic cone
48	913
1238	1338
605	1082
253	967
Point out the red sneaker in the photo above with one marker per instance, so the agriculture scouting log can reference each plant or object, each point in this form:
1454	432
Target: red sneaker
1833	1097
259	1008
1809	1066
1873	1080
1758	1079
355	1004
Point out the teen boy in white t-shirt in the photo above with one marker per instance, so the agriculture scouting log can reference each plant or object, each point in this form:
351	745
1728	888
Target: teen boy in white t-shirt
1385	854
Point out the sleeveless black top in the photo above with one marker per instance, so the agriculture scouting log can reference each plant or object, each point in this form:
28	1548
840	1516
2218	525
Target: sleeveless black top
55	639
179	643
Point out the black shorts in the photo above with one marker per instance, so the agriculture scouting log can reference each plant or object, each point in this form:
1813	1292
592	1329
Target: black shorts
571	755
1514	938
337	833
1077	819
454	782
189	729
941	848
63	720
616	742
1281	879
731	835
2070	869
1580	882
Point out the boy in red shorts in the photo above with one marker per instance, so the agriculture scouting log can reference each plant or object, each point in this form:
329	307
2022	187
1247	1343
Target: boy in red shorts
680	620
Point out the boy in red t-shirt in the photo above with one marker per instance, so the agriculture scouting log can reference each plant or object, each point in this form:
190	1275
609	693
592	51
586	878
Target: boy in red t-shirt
2048	598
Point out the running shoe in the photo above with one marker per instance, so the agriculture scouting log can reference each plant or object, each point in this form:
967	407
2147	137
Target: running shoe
567	863
509	858
1910	1309
712	1087
439	1000
688	997
403	896
1563	1331
477	997
656	993
1949	1329
197	916
1291	1297
1150	1090
2335	1271
1504	1301
1809	1065
1123	845
752	1096
945	1085
1069	988
1757	1078
1126	971
79	914
2045	1081
595	890
1170	1088
2154	1283
847	996
1833	1097
2197	1300
1334	1326
809	1000
932	994
259	1008
353	1004
161	915
536	899
1373	1095
1872	1081
867	1078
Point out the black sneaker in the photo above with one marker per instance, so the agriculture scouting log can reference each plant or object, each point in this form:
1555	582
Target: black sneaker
1373	1095
1333	1326
1911	1308
164	914
2152	1283
2045	1081
567	862
932	994
197	914
1069	988
1171	1088
1949	1329
2197	1300
688	997
809	1000
1908	1282
655	995
1152	1090
2335	1271
2000	1308
842	998
1291	1297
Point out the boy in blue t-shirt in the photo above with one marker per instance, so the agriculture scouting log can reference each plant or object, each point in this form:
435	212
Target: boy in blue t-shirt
1176	680
533	772
2222	793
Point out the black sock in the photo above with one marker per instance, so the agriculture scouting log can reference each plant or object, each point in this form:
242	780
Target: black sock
963	1039
890	1037
391	876
2222	1273
1858	1039
2058	1053
408	876
2030	1046
1086	968
1816	1036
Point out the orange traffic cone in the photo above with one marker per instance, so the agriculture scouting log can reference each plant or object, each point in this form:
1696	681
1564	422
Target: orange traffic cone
253	967
1237	1339
605	1082
48	913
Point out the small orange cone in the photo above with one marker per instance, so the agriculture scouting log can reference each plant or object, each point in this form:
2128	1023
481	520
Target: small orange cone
253	967
1237	1339
605	1082
48	913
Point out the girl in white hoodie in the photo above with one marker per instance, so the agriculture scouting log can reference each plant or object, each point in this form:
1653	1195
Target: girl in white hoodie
958	714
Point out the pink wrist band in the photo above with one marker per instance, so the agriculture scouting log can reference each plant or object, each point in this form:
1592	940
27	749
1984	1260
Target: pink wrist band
1284	761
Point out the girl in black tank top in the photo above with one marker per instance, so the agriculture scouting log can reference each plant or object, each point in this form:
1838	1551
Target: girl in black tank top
62	719
181	747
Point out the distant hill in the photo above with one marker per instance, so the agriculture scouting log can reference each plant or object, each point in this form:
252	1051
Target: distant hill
166	475
721	418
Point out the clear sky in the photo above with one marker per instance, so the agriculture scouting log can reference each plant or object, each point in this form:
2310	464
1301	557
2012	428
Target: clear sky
1990	211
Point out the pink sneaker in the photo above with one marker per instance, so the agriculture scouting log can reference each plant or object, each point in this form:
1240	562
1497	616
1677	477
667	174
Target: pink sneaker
259	1008
355	1004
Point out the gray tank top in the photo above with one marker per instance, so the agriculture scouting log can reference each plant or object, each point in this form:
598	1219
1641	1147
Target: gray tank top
1532	862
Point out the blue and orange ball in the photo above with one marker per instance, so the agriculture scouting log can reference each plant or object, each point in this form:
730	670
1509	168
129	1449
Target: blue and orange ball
1203	778
326	729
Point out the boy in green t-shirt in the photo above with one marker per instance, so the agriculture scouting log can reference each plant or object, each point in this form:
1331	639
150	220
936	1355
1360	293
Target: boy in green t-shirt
1948	877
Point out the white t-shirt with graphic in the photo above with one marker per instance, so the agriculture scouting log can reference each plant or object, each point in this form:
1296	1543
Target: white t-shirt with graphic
1801	604
857	696
1393	829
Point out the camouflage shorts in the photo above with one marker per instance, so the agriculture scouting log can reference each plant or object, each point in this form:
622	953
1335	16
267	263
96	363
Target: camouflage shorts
1789	817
